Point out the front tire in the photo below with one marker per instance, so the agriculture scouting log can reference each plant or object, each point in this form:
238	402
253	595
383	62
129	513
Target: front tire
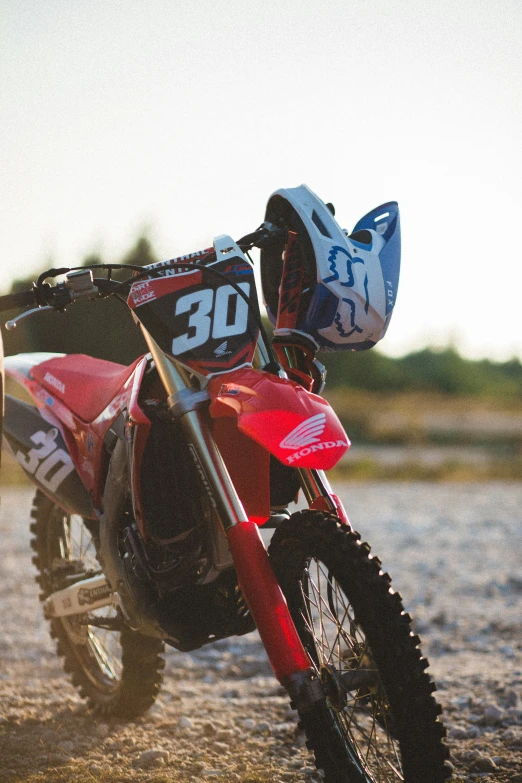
378	722
117	670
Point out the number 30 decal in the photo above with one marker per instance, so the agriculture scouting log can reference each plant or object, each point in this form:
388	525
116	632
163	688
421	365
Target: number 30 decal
211	316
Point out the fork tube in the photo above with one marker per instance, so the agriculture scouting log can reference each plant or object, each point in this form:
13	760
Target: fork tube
207	459
255	575
267	603
319	495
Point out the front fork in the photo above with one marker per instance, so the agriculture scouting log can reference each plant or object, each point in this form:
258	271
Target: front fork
319	496
256	578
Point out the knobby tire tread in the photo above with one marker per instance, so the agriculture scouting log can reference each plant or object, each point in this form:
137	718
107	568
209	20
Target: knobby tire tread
387	628
141	656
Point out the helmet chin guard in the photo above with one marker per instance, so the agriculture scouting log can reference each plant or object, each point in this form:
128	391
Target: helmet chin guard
339	288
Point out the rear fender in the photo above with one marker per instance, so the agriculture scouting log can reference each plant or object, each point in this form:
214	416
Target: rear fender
19	366
296	426
38	446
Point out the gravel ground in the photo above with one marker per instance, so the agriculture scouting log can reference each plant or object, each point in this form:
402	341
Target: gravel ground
455	553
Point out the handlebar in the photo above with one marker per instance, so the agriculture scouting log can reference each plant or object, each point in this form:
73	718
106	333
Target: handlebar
80	283
21	299
59	296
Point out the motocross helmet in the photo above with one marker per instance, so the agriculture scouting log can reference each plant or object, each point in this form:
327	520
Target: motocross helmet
348	282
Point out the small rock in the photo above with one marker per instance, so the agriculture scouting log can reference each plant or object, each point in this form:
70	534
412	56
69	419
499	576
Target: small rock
300	740
185	723
461	702
222	747
248	724
263	726
515	583
224	735
471	755
232	694
511	698
283	728
440	619
462	732
209	730
102	730
493	715
483	764
153	757
196	767
457	732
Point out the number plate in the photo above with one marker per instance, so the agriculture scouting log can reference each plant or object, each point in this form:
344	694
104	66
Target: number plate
199	317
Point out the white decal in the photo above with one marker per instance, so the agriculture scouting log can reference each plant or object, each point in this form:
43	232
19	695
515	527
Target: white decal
221	350
41	461
199	320
52	381
309	431
239	324
329	444
210	316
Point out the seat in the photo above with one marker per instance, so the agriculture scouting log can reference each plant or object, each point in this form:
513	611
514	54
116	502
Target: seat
85	384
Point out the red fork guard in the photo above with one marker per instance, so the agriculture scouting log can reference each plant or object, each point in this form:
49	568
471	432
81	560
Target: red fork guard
266	602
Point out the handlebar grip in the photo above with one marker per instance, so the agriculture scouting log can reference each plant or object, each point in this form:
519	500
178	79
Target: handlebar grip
21	299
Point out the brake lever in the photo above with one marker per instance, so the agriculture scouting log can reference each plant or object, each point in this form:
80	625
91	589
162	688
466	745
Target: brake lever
13	323
79	284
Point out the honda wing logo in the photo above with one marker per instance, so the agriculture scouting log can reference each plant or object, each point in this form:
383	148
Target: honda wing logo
309	431
221	350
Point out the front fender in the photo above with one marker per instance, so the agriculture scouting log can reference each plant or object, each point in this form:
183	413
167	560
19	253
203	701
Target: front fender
296	426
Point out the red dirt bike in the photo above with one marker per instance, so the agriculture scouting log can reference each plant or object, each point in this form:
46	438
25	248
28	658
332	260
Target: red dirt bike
153	481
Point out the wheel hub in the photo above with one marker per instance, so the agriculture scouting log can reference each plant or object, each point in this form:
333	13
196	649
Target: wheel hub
333	687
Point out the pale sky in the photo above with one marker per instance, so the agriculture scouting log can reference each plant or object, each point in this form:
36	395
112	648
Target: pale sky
182	118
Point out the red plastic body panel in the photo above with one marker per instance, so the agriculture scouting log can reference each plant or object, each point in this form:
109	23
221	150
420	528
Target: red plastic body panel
249	467
86	385
266	602
296	426
84	439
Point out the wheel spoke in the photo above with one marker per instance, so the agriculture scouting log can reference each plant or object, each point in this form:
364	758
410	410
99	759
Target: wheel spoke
355	636
106	659
99	652
339	641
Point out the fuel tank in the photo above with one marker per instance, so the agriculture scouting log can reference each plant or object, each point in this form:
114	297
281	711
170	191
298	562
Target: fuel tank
40	449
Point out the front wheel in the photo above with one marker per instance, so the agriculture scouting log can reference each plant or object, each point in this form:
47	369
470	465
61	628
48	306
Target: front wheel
378	721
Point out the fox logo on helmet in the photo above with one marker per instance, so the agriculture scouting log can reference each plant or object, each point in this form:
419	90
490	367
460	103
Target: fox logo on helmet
309	431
